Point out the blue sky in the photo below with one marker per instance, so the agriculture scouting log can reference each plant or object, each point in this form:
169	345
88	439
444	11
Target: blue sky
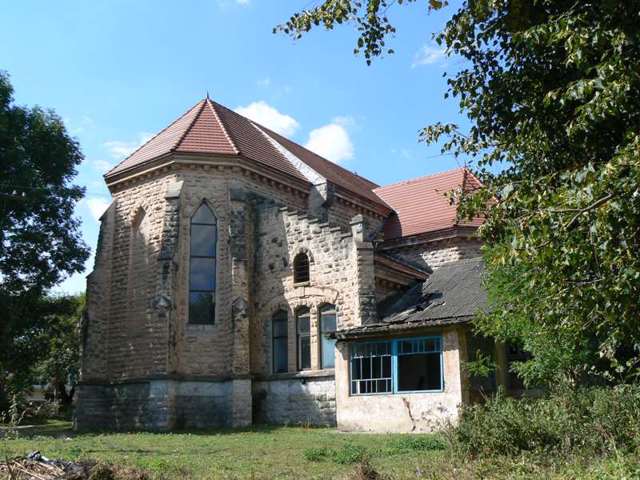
118	71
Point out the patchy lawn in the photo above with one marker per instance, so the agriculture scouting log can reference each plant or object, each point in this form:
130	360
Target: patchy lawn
297	453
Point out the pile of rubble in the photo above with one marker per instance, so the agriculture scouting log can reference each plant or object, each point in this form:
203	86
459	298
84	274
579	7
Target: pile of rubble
36	466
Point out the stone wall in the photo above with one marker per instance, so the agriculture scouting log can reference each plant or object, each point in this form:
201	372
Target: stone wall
156	405
337	275
136	325
302	400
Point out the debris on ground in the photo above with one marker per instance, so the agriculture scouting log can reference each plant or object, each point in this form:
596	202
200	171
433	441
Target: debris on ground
36	466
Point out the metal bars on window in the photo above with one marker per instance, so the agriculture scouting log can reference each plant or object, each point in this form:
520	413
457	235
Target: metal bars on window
396	366
371	368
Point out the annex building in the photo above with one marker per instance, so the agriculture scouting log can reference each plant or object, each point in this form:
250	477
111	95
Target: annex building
240	278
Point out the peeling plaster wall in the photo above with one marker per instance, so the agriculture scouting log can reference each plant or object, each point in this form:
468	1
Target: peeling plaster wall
403	413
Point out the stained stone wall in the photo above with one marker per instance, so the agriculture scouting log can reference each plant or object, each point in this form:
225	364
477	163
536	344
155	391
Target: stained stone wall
339	275
145	367
155	405
136	326
302	400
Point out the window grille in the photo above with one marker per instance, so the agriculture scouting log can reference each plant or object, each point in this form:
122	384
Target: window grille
397	366
371	368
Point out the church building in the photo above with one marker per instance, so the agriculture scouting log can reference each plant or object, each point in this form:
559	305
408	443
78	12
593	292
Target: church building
240	278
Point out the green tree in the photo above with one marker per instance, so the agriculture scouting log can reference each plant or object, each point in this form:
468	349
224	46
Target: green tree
40	242
60	340
551	90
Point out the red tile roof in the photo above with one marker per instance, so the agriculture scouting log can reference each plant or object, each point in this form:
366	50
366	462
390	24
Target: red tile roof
421	205
211	128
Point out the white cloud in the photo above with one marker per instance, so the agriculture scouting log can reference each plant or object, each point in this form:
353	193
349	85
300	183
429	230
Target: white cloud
120	149
429	54
332	141
226	3
97	206
80	126
101	166
264	82
266	115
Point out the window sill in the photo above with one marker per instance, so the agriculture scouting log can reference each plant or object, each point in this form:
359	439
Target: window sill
327	372
396	394
196	327
302	284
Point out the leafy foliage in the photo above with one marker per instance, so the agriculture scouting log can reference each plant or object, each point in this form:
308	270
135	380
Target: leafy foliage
593	421
40	241
46	349
369	16
550	88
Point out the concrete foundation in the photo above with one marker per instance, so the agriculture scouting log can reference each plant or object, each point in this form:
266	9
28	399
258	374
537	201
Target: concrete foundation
163	405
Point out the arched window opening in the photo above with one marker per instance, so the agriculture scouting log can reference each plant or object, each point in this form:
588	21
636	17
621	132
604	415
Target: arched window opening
202	266
301	268
328	323
303	329
279	328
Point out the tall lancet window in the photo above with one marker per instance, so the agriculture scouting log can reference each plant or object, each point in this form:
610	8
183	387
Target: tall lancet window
202	267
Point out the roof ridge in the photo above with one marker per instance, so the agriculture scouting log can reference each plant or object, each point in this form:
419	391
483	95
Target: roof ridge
284	151
270	132
423	177
227	135
152	138
188	129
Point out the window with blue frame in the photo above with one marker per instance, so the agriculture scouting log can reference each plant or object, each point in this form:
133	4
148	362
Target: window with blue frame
397	366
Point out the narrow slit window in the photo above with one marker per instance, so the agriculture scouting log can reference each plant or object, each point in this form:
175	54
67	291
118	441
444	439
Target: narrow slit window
279	327
202	266
303	328
328	320
301	268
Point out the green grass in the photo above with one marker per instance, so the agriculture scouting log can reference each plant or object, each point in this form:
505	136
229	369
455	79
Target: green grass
296	453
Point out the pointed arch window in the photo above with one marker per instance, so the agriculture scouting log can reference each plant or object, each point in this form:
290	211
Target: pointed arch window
303	338
202	266
280	345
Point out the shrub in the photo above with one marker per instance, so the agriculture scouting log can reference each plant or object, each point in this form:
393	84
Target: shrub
350	453
412	443
588	420
347	454
316	454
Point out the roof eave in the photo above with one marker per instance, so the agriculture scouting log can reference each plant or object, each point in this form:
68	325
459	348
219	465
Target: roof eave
385	329
174	158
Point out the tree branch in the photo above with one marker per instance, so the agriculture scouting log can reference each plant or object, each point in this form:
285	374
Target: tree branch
588	208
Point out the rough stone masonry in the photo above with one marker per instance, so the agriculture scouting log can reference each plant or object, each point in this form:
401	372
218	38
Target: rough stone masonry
146	364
